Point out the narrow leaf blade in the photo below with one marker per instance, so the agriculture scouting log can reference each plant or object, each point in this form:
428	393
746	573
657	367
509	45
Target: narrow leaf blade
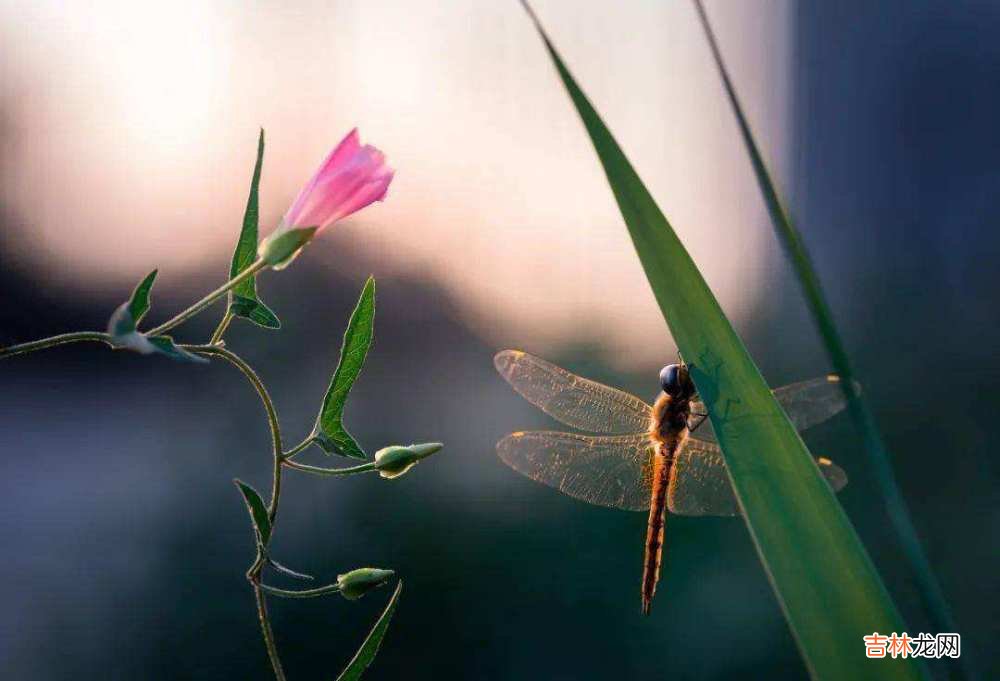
366	654
826	584
243	299
329	431
798	255
126	317
288	571
258	512
139	302
256	311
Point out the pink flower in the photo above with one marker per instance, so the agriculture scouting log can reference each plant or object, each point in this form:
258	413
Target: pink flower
351	177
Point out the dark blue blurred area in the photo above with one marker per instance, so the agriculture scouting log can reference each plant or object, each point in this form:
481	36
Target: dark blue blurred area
126	543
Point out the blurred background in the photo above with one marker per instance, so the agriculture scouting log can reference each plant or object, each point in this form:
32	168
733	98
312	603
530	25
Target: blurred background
128	134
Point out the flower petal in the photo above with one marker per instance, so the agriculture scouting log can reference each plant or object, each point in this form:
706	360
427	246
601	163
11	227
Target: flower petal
341	154
351	177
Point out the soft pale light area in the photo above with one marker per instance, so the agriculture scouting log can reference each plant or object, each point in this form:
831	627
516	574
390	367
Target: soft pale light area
130	130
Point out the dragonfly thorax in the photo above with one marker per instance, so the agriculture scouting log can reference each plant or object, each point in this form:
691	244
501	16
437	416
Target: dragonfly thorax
668	419
670	413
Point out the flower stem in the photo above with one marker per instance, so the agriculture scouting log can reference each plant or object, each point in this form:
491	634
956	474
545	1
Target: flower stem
305	593
318	470
253	574
265	626
258	385
220	330
53	341
297	448
182	317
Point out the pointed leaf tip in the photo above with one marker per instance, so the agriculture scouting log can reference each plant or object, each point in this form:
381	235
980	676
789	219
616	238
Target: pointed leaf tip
139	302
258	512
243	299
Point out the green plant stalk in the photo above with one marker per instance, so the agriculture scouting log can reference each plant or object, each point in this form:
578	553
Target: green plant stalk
825	582
185	315
795	248
302	446
265	627
253	574
53	341
220	330
304	593
332	472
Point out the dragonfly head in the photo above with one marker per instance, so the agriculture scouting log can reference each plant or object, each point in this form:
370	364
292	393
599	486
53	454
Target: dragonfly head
676	381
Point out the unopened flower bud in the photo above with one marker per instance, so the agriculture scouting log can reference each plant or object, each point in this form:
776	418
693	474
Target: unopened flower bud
279	249
356	583
391	462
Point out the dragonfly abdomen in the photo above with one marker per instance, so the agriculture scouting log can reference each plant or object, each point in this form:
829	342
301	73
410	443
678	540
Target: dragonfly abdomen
668	430
655	526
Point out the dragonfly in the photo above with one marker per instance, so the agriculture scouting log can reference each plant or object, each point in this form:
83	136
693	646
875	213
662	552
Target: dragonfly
637	456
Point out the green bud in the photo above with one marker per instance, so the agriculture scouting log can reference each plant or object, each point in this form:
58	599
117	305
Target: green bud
356	583
282	247
391	462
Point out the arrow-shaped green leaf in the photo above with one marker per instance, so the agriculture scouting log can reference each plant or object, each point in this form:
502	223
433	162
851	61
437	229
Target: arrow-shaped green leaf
139	302
125	319
258	512
243	299
329	431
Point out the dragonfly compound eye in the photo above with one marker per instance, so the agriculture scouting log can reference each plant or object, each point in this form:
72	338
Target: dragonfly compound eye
670	379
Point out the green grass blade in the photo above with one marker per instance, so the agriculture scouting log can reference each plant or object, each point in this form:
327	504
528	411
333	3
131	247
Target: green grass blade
795	248
366	654
329	431
243	299
826	584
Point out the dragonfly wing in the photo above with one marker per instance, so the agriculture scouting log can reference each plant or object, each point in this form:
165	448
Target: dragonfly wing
807	404
571	399
699	483
612	471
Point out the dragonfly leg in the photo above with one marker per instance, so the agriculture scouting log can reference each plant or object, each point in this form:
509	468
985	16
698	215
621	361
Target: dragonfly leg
700	421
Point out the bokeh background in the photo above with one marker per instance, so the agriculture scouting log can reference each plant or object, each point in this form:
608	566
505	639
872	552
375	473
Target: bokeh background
127	133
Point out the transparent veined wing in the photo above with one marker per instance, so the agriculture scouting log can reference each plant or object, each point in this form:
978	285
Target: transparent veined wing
612	471
576	401
699	484
807	404
616	471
